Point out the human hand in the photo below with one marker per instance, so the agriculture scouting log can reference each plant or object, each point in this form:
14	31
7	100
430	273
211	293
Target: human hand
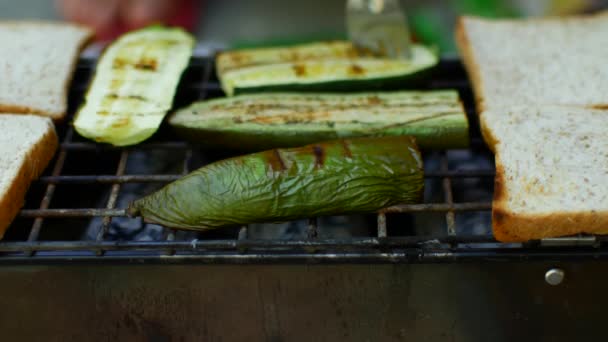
110	18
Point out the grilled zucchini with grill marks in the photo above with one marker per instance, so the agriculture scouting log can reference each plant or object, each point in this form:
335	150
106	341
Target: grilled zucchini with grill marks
339	177
134	85
326	66
263	121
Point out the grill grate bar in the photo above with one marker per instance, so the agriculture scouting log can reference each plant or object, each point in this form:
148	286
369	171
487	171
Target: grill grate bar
185	170
62	213
170	237
101	179
50	190
243	244
382	225
434	207
110	179
449	197
86	146
404	208
312	232
243	233
107	220
207	68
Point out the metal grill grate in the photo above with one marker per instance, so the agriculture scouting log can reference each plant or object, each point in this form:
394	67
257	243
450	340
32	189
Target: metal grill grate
39	234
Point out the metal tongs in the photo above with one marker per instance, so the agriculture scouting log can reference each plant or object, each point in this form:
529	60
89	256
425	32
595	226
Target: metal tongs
378	27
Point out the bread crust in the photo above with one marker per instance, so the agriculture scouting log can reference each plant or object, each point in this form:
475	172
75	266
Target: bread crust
17	109
470	63
490	139
84	41
472	67
68	80
509	226
517	227
32	167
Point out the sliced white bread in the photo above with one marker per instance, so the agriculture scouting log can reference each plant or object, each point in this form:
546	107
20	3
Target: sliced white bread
551	171
37	60
27	144
541	88
549	61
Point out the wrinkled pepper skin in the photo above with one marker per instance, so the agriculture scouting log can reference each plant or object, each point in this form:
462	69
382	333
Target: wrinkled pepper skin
332	178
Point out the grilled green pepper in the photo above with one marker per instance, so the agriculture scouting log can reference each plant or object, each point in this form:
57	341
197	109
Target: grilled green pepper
338	177
324	66
263	121
134	85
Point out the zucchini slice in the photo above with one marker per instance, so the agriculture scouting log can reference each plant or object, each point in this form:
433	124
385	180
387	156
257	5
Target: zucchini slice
327	66
262	121
134	85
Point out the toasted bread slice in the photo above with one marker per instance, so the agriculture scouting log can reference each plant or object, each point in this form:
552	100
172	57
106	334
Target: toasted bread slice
37	60
541	91
27	144
552	171
551	61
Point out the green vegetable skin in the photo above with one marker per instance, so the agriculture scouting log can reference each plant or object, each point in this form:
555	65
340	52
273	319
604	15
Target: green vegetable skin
326	66
338	177
263	121
134	86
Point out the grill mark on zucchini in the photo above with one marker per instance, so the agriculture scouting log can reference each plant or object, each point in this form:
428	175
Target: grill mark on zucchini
289	118
253	110
346	149
113	96
319	153
132	114
231	60
375	100
144	64
124	121
312	117
356	70
256	122
300	70
441	95
312	113
149	64
119	63
137	97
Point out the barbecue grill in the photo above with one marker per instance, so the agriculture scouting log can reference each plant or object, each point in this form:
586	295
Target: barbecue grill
75	217
85	172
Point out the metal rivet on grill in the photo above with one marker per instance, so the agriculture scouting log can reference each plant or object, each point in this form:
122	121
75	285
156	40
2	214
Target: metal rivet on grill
554	276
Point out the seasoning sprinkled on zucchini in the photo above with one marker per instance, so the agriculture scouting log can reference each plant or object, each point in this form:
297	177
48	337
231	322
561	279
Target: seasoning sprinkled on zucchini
262	121
326	66
134	85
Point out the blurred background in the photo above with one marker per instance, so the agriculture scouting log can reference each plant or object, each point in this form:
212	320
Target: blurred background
240	23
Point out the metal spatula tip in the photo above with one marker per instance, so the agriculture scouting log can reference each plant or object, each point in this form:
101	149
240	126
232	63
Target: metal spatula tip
379	27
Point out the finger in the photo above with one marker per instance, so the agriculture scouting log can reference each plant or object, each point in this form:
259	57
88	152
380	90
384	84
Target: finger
97	14
139	13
